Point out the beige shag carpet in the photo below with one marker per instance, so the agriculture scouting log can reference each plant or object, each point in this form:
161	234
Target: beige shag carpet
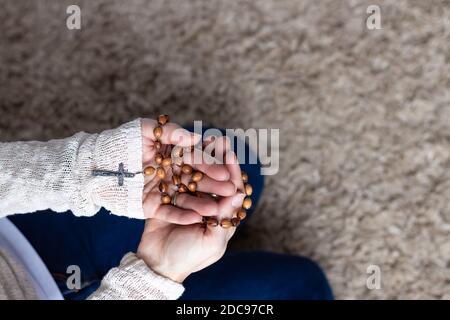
364	114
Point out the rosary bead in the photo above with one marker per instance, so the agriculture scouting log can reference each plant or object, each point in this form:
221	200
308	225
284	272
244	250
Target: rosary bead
158	145
166	162
247	203
192	186
163	119
182	188
212	222
158	158
161	173
187	169
244	177
176	180
149	171
248	189
197	176
241	214
165	198
163	187
226	223
235	222
157	132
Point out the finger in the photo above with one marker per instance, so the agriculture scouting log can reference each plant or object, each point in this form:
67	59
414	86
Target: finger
208	185
232	164
206	164
176	135
228	207
177	215
149	185
221	146
208	141
154	209
172	133
203	206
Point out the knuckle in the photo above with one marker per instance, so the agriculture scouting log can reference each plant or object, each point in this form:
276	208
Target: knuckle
211	207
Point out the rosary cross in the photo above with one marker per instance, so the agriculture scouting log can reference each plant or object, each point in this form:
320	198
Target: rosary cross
120	174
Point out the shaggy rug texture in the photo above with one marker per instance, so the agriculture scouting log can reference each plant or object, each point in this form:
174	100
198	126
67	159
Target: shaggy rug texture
364	114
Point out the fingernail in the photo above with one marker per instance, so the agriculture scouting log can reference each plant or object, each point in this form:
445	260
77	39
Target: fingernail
226	176
237	200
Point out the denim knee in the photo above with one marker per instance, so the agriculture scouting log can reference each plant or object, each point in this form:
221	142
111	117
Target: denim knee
317	281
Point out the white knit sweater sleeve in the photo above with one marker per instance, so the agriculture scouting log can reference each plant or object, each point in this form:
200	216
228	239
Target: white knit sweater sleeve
133	280
57	174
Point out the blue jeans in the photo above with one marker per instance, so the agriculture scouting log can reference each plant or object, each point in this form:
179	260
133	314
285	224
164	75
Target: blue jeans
97	244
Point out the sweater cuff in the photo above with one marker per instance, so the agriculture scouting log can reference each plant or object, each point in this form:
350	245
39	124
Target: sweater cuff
133	280
134	155
112	147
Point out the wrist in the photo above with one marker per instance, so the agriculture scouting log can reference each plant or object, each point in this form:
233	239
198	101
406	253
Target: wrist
162	269
170	274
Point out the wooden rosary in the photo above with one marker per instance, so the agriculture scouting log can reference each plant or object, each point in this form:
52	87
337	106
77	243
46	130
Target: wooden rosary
164	161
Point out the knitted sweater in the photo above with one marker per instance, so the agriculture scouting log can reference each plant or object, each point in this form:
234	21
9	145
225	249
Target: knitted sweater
57	175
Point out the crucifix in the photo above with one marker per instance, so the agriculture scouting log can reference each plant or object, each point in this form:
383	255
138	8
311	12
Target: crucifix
120	174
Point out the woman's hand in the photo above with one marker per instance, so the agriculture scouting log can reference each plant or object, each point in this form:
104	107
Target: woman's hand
189	209
176	251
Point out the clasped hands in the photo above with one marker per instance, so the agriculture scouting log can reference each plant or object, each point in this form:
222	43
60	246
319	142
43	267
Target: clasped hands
175	242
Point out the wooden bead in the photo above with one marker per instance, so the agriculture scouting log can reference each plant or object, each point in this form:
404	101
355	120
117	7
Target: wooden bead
182	188
158	158
192	186
248	189
247	204
187	169
212	222
235	222
226	223
165	198
163	119
157	132
244	177
163	187
161	173
158	145
166	162
197	176
149	171
176	180
241	214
